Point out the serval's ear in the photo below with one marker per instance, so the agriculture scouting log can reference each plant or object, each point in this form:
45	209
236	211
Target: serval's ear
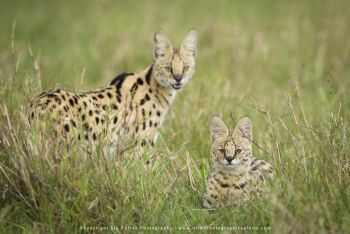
218	129
189	44
162	45
244	129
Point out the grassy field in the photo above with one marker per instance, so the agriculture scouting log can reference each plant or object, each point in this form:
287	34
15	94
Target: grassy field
286	65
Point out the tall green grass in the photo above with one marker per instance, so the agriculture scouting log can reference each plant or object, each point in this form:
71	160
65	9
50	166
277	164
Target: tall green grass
284	64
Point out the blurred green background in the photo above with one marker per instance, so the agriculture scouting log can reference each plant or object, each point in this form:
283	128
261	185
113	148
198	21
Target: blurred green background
252	54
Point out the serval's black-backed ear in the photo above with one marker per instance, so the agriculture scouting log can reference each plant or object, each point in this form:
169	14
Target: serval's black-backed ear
244	128
189	44
218	129
162	45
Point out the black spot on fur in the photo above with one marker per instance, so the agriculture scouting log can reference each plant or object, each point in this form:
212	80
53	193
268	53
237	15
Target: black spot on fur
119	99
115	120
165	99
255	168
159	101
109	94
222	184
118	80
209	202
158	113
118	93
51	95
58	100
94	136
145	99
97	120
73	123
86	126
83	117
149	74
90	112
261	178
66	127
100	96
71	102
252	163
133	88
239	186
144	125
75	99
258	165
140	81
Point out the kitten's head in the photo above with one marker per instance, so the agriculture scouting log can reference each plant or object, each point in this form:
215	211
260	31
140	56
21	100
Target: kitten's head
231	148
174	67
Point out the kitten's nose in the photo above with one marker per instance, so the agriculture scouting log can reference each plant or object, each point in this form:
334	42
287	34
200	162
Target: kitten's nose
229	159
178	78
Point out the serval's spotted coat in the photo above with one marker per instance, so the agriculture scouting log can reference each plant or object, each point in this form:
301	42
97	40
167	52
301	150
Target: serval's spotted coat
132	106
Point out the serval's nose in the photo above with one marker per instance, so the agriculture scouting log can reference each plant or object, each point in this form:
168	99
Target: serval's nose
177	77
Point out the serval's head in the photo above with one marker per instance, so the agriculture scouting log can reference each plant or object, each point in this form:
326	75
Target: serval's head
231	148
174	67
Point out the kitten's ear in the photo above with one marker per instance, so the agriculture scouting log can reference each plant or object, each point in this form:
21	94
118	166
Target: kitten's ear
218	129
244	128
162	45
189	44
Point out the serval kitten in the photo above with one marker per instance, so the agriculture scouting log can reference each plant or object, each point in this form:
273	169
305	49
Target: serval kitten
133	106
236	174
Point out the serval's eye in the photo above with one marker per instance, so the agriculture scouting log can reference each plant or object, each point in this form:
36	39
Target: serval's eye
222	151
237	151
168	68
186	67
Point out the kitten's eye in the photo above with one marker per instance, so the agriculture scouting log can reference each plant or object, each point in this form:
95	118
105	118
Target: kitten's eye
222	151
168	68
186	67
237	151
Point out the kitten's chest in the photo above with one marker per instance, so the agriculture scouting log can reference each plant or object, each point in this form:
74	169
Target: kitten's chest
234	187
